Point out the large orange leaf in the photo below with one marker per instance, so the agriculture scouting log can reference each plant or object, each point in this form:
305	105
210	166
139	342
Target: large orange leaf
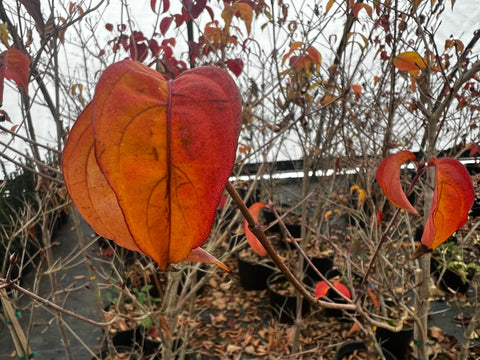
452	199
388	177
166	150
251	238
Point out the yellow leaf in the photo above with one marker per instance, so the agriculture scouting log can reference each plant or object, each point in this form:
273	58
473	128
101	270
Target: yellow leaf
4	34
327	100
409	61
227	15
328	214
293	46
416	4
246	13
362	195
329	6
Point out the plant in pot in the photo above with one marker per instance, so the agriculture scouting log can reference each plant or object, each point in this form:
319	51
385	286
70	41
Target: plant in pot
451	271
284	298
133	312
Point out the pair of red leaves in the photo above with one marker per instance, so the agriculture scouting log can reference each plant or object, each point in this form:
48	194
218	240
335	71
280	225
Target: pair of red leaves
453	196
147	161
321	289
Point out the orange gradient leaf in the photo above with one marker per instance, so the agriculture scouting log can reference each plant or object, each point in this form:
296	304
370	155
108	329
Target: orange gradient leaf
388	177
251	238
165	149
452	200
409	61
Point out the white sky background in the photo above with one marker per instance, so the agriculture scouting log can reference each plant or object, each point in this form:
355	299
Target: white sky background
460	23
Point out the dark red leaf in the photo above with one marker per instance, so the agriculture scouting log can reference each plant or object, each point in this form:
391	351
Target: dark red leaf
166	6
15	66
154	47
235	66
178	20
109	27
165	24
34	10
197	8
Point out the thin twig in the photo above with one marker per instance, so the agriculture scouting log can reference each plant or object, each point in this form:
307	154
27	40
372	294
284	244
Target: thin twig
45	302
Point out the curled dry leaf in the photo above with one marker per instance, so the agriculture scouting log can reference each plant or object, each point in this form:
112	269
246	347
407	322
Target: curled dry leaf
388	177
251	238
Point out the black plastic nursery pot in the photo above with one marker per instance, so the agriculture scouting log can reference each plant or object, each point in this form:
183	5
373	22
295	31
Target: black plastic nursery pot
284	303
397	343
128	338
355	347
126	353
323	265
131	337
450	280
153	347
253	274
439	356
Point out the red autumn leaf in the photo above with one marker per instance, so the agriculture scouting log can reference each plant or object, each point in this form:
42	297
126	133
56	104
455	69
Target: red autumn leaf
165	24
251	238
166	6
388	177
452	200
379	217
235	66
473	150
321	289
165	149
343	289
15	66
34	10
357	90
